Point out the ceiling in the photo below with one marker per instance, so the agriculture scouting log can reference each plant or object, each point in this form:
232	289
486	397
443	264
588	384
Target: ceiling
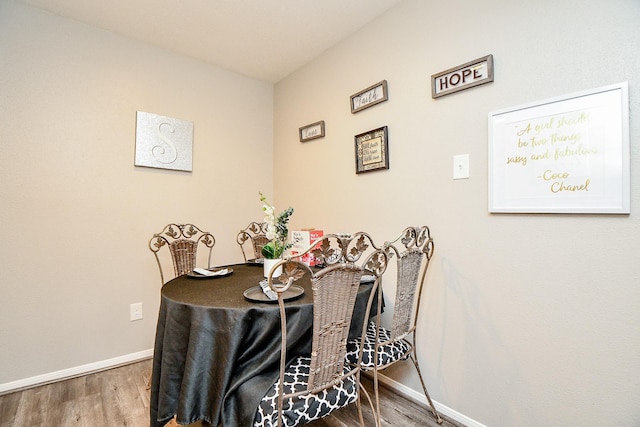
262	39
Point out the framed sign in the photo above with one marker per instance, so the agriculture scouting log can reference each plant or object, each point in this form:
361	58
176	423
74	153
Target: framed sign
372	150
568	154
312	131
465	76
369	97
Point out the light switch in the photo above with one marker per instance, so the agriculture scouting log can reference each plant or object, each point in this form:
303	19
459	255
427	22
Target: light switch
135	311
461	166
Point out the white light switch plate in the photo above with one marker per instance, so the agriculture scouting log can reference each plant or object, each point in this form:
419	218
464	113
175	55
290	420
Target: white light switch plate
461	166
135	311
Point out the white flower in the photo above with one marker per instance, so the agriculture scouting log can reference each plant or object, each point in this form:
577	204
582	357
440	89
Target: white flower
276	233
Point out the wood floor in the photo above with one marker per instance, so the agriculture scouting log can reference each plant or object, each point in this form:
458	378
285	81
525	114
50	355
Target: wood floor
119	398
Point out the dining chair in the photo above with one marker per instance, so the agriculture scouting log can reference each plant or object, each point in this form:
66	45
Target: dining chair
252	239
384	347
183	241
312	386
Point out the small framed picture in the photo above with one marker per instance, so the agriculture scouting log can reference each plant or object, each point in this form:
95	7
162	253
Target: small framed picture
369	97
372	150
312	131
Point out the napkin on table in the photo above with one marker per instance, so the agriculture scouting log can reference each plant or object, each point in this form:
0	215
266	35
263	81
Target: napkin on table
205	272
270	293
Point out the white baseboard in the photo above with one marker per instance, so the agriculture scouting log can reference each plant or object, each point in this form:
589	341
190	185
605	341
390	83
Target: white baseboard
420	398
74	372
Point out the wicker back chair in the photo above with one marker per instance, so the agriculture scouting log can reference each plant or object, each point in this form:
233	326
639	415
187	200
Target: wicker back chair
383	347
312	386
182	240
252	239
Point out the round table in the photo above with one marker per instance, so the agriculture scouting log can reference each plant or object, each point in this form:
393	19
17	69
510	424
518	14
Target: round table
217	353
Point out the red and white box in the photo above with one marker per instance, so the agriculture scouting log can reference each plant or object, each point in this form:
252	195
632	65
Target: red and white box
302	240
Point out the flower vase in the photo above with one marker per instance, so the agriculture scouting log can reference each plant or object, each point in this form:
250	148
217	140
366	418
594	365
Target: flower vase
268	265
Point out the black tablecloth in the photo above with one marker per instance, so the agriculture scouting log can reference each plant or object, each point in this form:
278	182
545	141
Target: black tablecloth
216	353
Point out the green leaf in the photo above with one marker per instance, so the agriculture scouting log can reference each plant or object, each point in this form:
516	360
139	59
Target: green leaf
269	251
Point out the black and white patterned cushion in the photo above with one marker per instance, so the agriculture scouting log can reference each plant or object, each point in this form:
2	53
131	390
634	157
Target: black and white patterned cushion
306	408
393	352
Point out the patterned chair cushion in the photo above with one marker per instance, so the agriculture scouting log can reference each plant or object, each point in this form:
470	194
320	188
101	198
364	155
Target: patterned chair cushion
393	352
306	408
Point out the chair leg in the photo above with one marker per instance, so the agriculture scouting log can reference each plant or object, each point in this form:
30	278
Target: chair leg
359	406
414	359
376	415
376	393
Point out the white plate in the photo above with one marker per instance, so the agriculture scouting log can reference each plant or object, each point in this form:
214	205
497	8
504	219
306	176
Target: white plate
255	294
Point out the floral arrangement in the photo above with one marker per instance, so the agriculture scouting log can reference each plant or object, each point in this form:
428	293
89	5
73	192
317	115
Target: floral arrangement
277	231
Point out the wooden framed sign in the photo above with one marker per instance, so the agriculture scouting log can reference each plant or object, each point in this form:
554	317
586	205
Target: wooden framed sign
568	154
465	76
369	97
312	131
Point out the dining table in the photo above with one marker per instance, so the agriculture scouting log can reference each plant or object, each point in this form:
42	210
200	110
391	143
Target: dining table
217	344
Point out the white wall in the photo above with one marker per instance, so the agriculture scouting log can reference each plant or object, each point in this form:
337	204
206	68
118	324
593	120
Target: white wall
528	319
76	215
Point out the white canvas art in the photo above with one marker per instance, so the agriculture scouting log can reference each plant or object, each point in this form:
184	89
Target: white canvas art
163	142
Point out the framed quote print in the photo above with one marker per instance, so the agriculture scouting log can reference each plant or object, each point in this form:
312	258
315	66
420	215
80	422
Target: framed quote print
372	150
568	154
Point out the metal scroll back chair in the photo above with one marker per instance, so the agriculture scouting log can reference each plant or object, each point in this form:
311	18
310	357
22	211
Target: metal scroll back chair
310	387
413	250
182	240
252	239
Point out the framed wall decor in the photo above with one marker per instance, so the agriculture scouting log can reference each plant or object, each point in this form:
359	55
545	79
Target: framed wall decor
163	142
568	154
312	131
372	150
470	74
369	97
